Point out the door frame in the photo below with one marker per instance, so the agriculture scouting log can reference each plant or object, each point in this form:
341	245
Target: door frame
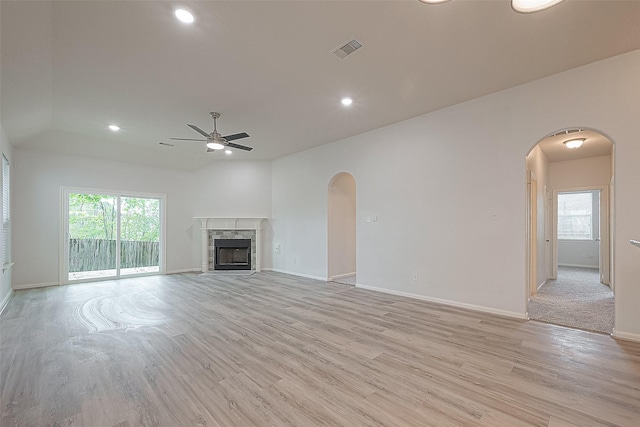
333	219
604	262
532	233
64	221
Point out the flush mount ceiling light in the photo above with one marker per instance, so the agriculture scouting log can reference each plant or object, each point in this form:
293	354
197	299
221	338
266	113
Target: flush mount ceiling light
530	6
184	16
433	1
346	101
574	143
114	128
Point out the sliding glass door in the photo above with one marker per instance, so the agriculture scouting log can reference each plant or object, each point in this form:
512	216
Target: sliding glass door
110	235
139	235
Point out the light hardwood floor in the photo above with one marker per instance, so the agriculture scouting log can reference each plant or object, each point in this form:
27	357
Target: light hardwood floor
278	350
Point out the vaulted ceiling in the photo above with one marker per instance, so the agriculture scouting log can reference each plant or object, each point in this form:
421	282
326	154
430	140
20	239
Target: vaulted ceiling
70	68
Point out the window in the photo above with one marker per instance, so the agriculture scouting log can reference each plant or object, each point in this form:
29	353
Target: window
108	234
6	213
575	216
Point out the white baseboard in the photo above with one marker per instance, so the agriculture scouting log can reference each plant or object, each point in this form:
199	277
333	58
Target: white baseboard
5	301
579	266
306	276
625	336
184	270
447	302
34	285
342	276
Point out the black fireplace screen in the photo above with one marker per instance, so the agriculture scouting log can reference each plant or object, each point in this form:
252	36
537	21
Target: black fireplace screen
232	254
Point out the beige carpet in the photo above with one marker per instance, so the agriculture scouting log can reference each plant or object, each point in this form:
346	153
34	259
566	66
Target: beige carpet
576	299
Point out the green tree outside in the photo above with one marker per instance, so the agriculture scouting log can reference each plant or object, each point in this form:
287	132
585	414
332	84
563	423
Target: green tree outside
94	216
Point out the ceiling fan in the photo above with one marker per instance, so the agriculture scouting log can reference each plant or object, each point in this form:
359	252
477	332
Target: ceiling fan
214	140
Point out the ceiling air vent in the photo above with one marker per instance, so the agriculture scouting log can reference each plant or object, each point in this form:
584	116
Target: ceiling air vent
347	49
567	132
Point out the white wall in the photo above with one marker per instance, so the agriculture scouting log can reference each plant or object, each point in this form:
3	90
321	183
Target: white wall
590	172
231	189
5	277
435	192
38	177
342	226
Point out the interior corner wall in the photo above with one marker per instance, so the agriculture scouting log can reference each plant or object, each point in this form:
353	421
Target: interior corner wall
224	189
538	163
5	278
436	194
38	178
232	189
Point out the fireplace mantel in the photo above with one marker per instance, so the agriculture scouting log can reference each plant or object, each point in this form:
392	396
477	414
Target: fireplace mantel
214	223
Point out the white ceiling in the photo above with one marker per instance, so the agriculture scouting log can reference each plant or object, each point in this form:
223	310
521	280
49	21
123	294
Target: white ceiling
71	68
594	145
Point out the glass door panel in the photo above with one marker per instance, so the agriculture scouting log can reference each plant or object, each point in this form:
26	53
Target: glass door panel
139	235
92	236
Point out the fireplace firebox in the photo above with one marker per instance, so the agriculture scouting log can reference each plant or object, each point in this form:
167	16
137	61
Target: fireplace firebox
232	254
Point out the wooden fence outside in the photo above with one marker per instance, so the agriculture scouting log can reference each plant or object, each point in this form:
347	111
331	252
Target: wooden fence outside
100	254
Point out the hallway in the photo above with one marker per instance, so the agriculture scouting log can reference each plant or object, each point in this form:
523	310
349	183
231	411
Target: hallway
576	299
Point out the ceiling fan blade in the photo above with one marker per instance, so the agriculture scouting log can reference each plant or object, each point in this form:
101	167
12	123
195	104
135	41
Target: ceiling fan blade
188	139
239	147
236	136
200	131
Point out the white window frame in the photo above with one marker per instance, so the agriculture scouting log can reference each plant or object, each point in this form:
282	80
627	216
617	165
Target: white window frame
64	229
591	236
6	214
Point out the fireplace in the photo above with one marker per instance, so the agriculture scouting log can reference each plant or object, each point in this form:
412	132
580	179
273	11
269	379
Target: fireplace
230	228
232	254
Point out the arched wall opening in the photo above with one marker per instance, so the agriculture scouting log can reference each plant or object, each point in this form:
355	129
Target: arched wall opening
553	169
341	228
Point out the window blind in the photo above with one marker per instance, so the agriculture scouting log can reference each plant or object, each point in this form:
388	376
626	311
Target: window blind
6	212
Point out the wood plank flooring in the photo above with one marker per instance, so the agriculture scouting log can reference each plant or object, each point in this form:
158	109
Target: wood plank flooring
278	350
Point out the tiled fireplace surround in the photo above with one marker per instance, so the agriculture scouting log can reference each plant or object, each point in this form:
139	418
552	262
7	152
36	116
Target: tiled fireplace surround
230	228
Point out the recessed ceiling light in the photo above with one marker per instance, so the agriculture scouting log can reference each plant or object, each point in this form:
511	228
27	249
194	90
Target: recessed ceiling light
530	6
184	16
433	1
228	151
215	145
574	143
347	101
114	128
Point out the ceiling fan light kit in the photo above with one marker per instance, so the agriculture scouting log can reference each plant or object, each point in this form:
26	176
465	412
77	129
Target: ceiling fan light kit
214	140
520	6
531	6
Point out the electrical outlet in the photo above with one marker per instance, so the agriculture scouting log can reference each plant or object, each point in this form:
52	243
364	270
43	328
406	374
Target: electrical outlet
414	277
178	258
295	260
277	248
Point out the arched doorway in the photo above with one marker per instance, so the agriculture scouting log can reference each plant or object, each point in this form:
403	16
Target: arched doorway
342	229
569	222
